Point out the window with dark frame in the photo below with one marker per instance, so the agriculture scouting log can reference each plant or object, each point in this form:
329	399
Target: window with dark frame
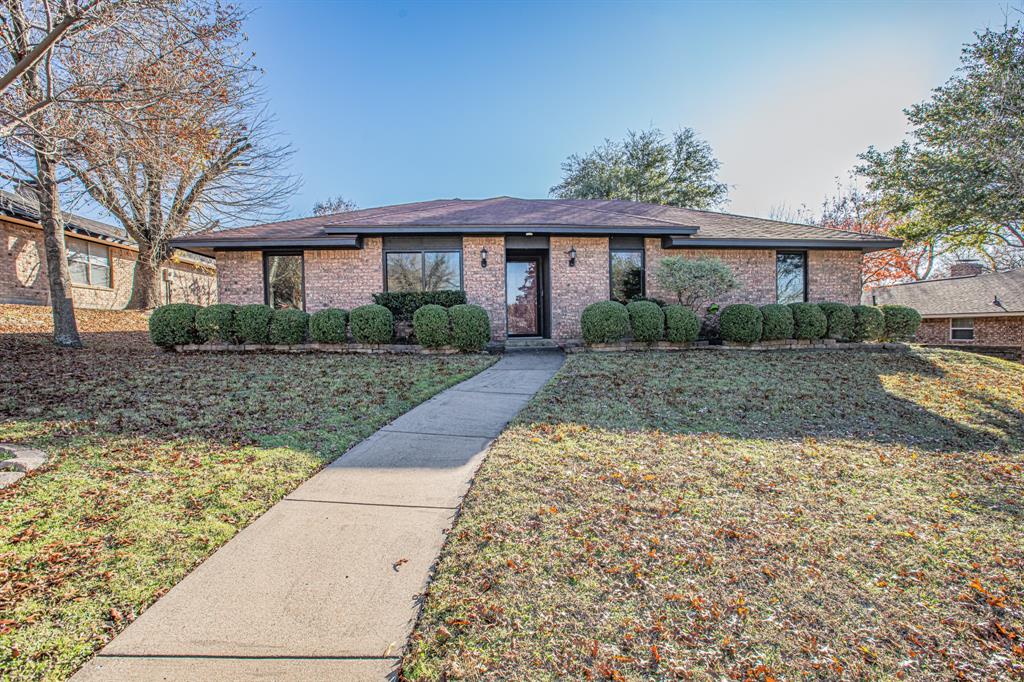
283	280
961	329
423	270
626	274
88	263
790	277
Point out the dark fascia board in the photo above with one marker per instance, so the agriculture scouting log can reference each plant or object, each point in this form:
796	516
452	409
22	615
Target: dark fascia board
596	230
206	247
865	245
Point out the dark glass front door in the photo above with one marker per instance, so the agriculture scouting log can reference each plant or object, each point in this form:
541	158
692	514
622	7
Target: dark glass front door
522	296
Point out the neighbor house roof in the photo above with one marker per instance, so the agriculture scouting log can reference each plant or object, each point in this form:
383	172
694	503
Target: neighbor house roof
959	296
507	215
17	206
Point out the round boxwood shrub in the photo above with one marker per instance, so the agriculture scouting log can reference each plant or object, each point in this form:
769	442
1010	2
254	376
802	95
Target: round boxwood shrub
173	325
605	322
252	323
647	321
901	322
288	326
776	322
808	321
471	327
328	325
741	322
431	326
372	324
216	323
681	324
840	320
868	323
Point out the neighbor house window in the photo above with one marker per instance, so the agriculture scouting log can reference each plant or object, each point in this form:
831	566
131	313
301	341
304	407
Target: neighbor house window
961	329
627	274
423	271
88	262
790	276
283	280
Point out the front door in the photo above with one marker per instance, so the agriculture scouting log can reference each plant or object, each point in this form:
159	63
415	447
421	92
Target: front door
524	281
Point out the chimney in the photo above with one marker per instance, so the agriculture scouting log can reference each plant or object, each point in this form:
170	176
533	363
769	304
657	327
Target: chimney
965	267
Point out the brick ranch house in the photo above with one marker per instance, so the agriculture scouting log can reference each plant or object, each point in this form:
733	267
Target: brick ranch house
973	309
101	260
533	264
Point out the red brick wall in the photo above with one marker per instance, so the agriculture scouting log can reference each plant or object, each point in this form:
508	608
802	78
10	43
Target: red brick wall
755	269
240	277
834	276
344	278
485	287
573	289
988	331
23	275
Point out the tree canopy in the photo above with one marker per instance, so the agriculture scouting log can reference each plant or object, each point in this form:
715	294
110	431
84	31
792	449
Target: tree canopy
647	166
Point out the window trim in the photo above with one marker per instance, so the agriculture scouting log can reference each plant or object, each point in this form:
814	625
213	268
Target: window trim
643	269
423	265
952	329
791	252
266	274
89	246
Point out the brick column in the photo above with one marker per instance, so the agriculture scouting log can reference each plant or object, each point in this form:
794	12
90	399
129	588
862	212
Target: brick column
834	276
754	268
574	288
485	287
344	278
240	277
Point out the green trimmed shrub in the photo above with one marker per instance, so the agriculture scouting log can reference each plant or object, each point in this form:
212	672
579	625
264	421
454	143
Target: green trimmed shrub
681	324
252	323
288	326
372	324
216	323
328	325
431	326
173	325
646	320
808	321
840	320
471	327
741	322
868	323
404	304
604	322
776	322
901	322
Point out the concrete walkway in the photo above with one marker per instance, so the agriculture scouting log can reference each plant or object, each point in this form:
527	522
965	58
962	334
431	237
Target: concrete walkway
327	583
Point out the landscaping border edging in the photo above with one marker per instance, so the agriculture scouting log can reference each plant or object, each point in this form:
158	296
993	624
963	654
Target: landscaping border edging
580	347
350	348
788	344
25	460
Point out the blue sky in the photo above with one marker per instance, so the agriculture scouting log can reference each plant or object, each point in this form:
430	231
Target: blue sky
394	102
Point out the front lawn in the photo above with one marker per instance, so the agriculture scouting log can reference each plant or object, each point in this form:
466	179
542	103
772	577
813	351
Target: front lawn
743	516
157	459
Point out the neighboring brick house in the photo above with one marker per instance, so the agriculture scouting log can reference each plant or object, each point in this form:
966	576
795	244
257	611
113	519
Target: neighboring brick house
974	309
101	260
533	264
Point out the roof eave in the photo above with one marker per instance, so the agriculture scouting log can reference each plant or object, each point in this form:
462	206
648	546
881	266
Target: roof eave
581	230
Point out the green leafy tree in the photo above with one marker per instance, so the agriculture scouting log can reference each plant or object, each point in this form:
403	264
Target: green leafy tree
646	166
959	178
695	282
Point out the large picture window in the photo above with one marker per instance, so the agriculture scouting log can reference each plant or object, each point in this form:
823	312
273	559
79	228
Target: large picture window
283	280
88	262
791	276
627	274
423	271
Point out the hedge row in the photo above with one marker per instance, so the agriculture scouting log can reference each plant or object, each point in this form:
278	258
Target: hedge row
743	323
610	321
467	327
404	304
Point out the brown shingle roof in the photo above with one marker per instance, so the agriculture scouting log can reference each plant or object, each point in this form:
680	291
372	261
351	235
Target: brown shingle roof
508	213
959	296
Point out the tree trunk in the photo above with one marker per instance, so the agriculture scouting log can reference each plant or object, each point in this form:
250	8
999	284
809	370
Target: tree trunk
65	329
146	284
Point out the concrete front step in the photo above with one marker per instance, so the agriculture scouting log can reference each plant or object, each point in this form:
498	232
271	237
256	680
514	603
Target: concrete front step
529	344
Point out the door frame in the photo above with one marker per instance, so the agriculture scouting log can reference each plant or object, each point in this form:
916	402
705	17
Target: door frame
543	277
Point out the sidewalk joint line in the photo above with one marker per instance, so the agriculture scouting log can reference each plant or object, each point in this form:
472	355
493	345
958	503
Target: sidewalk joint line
368	504
469	390
446	435
254	658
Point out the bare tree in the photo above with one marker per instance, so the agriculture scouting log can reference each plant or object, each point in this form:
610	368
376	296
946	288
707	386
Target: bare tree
338	204
203	158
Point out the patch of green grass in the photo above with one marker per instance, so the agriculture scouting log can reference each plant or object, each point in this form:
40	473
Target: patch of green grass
156	460
743	516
